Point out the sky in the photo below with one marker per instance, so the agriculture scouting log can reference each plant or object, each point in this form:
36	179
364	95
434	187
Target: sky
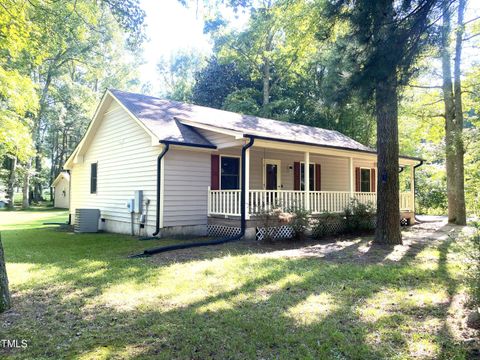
170	27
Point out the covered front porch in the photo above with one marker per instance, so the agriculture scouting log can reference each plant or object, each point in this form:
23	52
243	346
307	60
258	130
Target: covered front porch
289	176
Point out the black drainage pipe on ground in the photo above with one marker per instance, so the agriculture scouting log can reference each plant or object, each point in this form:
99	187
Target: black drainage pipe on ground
223	240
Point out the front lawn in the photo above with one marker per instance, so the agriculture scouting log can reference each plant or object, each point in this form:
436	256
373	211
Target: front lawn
79	296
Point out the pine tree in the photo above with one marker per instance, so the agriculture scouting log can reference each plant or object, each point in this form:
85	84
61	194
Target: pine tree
386	37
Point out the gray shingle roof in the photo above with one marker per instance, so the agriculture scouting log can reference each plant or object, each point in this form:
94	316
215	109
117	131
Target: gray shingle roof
162	118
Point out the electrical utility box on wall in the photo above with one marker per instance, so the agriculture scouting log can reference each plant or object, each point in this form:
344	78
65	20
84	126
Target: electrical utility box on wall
131	205
138	208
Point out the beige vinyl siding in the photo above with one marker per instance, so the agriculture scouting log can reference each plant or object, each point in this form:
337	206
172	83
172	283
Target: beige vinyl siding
334	169
218	139
126	162
62	194
187	177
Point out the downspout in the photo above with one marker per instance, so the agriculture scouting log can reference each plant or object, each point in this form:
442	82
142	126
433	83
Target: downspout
223	240
159	172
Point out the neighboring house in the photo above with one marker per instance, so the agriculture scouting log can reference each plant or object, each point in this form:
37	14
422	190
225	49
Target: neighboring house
61	191
190	159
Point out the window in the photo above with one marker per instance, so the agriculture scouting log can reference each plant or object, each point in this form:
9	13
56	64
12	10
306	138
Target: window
229	173
312	177
365	180
93	178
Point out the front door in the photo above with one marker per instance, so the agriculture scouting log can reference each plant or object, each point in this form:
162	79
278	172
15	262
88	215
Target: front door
272	174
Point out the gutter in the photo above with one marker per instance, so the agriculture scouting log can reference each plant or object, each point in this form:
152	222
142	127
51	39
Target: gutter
159	171
223	240
167	144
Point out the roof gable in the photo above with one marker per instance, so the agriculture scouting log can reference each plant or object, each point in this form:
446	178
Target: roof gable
159	116
159	128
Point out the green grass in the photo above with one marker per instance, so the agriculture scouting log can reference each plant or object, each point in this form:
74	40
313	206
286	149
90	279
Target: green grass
79	296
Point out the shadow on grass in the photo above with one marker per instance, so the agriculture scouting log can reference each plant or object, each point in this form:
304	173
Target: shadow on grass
265	314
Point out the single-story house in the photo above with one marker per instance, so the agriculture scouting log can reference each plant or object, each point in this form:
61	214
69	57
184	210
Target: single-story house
154	166
61	190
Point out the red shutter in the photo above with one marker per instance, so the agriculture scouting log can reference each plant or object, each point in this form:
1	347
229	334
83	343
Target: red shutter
357	179
318	177
215	179
372	180
296	176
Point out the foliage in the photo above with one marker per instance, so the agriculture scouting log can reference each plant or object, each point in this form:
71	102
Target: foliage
177	74
431	191
216	81
359	216
244	101
57	57
299	221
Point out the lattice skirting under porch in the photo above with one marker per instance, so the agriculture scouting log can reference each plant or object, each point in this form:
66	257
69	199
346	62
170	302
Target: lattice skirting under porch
275	232
216	230
329	227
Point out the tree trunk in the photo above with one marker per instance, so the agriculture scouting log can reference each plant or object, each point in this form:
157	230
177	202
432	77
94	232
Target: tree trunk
266	83
461	213
388	206
449	114
26	186
37	133
5	300
267	70
53	162
11	181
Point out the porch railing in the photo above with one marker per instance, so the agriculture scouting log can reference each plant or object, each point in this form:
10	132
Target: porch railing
227	202
223	202
265	200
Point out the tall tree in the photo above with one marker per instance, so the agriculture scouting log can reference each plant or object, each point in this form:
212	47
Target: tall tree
275	44
72	35
387	36
449	104
41	41
461	213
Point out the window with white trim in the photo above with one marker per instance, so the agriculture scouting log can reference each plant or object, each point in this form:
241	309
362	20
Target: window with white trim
229	173
365	180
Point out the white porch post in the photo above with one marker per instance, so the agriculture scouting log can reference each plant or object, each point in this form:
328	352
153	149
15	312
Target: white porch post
247	184
412	187
306	174
351	177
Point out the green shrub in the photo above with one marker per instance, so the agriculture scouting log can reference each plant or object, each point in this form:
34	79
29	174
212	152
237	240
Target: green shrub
359	217
300	222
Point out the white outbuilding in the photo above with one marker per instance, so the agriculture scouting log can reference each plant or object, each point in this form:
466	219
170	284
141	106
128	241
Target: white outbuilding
61	190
